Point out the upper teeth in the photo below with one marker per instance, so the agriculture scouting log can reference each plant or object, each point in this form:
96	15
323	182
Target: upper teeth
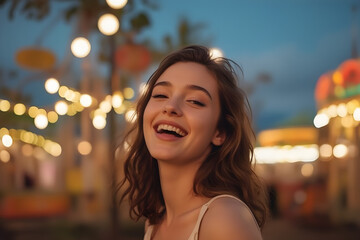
171	128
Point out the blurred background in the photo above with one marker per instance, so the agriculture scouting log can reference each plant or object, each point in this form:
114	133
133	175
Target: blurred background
71	70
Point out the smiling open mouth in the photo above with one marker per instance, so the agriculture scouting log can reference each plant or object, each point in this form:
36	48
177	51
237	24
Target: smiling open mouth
168	129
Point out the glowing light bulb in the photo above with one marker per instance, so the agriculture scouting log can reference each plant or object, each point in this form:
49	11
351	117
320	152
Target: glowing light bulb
340	150
321	120
341	110
117	99
99	122
325	150
7	140
19	109
41	121
129	93
52	116
61	107
55	149
33	111
307	169
356	114
116	4
52	85
80	47
105	106
4	156
84	148
85	100
108	24
4	105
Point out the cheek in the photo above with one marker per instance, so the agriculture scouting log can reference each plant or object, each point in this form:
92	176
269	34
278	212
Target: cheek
146	117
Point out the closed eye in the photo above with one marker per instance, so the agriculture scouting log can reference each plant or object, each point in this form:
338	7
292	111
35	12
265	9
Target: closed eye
159	96
197	103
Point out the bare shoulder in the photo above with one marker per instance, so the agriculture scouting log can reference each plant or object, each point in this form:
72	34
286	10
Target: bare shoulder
229	219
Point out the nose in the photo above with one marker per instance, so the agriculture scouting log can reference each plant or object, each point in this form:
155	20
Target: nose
172	107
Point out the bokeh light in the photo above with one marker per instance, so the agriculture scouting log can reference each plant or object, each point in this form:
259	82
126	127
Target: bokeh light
61	107
41	121
356	114
116	4
340	150
130	116
80	47
33	111
105	105
27	150
129	93
84	148
4	156
325	150
19	109
52	85
117	99
341	110
216	53
108	24
321	120
85	100
307	169
4	105
7	140
99	122
52	116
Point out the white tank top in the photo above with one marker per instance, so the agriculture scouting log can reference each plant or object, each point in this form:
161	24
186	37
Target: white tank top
195	233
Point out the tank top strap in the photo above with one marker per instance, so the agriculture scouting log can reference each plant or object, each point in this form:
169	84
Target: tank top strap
148	232
195	233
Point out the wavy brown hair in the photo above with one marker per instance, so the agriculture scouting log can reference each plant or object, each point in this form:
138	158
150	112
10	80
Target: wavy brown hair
227	170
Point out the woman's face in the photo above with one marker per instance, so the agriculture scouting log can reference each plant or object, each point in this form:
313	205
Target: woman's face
180	119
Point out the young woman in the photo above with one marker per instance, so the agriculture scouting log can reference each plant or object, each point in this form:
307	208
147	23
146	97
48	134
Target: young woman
189	167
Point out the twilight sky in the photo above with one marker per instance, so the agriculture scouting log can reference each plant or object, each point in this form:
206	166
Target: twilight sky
294	41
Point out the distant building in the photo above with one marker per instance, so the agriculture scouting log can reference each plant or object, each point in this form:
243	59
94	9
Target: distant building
337	94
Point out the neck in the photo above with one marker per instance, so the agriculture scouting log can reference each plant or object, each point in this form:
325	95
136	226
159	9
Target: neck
177	188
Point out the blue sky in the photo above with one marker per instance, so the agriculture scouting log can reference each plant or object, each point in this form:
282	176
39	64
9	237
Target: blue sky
294	41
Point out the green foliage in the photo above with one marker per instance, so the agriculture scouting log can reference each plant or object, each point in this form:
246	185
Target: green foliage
33	9
140	21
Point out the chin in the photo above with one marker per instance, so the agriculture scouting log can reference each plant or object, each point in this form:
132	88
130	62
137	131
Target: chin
163	156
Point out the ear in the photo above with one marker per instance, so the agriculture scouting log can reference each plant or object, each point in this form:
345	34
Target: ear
218	138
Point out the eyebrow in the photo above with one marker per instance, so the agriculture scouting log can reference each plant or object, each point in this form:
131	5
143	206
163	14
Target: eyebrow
191	87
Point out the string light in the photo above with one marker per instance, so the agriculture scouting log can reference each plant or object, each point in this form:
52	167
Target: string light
116	4
4	156
321	120
289	154
129	93
61	107
41	121
84	148
8	136
108	24
99	122
4	105
80	47
340	150
52	85
7	140
19	109
85	100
